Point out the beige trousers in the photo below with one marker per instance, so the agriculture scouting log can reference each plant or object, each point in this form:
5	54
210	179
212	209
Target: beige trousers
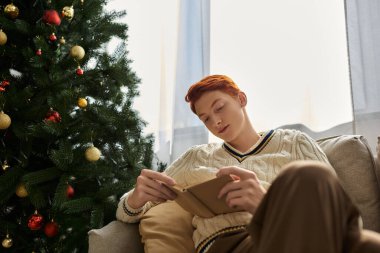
304	211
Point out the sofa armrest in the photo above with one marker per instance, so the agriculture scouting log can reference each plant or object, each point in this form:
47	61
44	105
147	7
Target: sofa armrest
115	237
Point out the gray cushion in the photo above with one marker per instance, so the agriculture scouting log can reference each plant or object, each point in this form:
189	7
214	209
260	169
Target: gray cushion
354	164
115	237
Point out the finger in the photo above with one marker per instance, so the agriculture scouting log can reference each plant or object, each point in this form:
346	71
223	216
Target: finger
158	176
160	188
239	172
158	191
232	186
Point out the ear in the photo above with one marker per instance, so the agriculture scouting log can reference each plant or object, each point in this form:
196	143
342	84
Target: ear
242	99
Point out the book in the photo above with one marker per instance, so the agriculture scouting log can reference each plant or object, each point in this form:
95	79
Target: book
202	199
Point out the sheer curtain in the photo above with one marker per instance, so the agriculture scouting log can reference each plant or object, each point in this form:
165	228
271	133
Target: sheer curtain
363	27
290	57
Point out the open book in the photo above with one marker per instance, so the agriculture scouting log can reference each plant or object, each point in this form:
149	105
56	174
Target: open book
202	199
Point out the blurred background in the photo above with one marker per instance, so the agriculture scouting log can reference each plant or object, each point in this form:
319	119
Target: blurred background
304	64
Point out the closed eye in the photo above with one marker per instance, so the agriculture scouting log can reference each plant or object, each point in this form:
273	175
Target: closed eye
219	108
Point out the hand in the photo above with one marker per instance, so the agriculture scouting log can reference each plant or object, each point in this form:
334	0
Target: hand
245	191
150	187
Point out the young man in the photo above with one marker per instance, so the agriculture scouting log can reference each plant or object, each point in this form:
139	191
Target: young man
304	210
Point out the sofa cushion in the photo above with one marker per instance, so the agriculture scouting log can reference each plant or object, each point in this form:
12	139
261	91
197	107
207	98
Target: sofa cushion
115	237
354	164
167	228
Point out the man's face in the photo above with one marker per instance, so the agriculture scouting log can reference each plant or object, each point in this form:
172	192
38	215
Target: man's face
221	113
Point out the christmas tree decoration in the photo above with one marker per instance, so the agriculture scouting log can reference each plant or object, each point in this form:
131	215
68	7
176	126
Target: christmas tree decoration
11	11
79	71
51	17
35	221
53	116
92	154
4	84
77	52
21	191
5	121
62	41
7	242
5	165
3	38
69	191
39	52
52	37
82	102
68	12
51	229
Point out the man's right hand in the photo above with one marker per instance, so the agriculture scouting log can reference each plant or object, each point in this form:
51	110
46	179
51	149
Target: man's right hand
150	187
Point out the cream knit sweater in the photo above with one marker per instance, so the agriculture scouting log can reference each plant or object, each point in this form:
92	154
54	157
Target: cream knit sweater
274	149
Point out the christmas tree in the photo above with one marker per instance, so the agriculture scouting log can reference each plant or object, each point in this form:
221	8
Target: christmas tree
70	141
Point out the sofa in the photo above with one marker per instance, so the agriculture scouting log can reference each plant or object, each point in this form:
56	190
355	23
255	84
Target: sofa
350	155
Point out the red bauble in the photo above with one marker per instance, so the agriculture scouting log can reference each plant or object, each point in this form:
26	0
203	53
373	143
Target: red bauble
4	84
51	17
53	116
39	52
35	221
51	229
79	71
52	37
69	191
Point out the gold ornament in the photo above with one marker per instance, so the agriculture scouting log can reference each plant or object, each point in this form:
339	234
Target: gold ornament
3	38
77	52
21	191
68	12
7	242
92	154
82	102
5	121
62	40
11	11
5	165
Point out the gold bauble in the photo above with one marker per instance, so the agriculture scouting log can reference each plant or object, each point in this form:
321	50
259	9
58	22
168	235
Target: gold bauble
5	165
11	11
77	52
62	40
92	154
3	38
5	121
68	12
21	191
82	102
7	242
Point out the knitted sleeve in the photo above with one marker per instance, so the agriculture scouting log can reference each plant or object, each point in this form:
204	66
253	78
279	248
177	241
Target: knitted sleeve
176	170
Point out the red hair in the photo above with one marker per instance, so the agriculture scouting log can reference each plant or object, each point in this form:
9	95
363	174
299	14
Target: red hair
211	83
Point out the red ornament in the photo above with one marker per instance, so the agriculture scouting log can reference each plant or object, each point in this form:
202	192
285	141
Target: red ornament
35	221
39	52
79	71
53	116
51	17
69	191
52	37
4	84
51	229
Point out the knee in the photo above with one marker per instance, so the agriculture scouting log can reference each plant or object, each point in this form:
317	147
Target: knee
308	170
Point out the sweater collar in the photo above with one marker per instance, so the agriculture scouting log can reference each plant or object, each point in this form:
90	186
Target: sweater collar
256	148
